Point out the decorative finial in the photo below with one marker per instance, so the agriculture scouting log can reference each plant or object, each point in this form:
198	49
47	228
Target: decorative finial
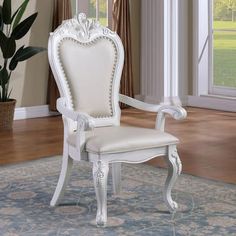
86	24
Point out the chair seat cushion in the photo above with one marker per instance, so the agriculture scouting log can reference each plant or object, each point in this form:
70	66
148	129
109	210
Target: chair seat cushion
116	139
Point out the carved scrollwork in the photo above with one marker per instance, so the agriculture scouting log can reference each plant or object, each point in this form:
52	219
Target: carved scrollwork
177	161
82	27
177	112
174	170
86	25
99	173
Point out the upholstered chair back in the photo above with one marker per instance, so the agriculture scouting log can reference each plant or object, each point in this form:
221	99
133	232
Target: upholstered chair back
87	62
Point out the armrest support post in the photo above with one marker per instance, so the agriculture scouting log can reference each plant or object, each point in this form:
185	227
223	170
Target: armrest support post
84	121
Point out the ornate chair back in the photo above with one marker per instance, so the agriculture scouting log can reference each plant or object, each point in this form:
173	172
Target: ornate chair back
87	62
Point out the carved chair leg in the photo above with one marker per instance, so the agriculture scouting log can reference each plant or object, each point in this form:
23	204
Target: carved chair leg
66	168
174	170
116	177
100	173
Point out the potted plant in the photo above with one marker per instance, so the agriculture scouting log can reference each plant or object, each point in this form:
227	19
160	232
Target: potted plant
12	29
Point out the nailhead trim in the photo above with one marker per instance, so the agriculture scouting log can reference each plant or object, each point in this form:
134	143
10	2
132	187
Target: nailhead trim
91	43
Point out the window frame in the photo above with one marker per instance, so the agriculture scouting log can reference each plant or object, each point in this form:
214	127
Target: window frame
203	77
215	89
109	10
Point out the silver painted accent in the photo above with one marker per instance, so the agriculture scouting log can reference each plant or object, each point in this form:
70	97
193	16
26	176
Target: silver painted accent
100	173
174	170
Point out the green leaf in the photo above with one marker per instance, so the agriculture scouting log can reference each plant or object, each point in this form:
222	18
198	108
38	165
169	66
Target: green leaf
1	20
6	12
13	63
11	48
4	77
14	15
22	29
19	13
28	52
8	45
3	39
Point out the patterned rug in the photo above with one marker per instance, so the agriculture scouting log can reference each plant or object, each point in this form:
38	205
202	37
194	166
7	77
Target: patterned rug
206	207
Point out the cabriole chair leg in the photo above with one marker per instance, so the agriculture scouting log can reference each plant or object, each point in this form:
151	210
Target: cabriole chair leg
100	173
174	170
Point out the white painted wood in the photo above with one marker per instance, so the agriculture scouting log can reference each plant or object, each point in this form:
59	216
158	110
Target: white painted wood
66	168
86	31
201	49
76	7
214	89
100	173
134	157
22	113
174	170
171	53
177	112
213	102
185	64
205	95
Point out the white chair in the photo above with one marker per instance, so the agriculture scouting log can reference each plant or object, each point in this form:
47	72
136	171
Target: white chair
87	60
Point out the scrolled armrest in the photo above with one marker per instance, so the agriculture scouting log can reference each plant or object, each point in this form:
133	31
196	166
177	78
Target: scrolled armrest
85	122
177	112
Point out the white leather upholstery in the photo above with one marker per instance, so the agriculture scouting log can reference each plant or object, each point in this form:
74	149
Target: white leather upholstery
89	69
114	139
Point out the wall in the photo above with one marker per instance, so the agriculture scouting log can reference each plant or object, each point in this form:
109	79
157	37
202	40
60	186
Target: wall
29	80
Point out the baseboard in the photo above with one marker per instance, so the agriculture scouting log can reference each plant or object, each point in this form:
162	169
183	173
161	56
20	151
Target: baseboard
33	112
213	102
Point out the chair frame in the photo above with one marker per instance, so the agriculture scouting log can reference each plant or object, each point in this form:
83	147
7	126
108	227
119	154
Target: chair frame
86	31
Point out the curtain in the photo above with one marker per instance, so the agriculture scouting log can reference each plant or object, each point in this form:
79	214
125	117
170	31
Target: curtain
122	26
61	11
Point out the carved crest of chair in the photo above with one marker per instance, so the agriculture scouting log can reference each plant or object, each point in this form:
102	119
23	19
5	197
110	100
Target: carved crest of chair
87	60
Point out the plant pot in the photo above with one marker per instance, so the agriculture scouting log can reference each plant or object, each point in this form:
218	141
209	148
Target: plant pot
7	114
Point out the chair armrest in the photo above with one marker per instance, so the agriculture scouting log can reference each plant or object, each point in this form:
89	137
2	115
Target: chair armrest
138	104
85	122
177	112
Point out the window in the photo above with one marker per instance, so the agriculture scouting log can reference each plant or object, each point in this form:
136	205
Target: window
214	48
214	64
101	10
223	47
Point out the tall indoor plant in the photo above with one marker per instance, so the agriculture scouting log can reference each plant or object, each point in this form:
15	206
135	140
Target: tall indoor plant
12	29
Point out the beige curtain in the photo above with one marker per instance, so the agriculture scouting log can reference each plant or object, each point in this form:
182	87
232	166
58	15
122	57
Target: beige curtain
61	11
121	24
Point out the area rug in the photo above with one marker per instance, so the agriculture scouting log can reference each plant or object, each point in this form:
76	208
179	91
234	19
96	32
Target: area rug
206	207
